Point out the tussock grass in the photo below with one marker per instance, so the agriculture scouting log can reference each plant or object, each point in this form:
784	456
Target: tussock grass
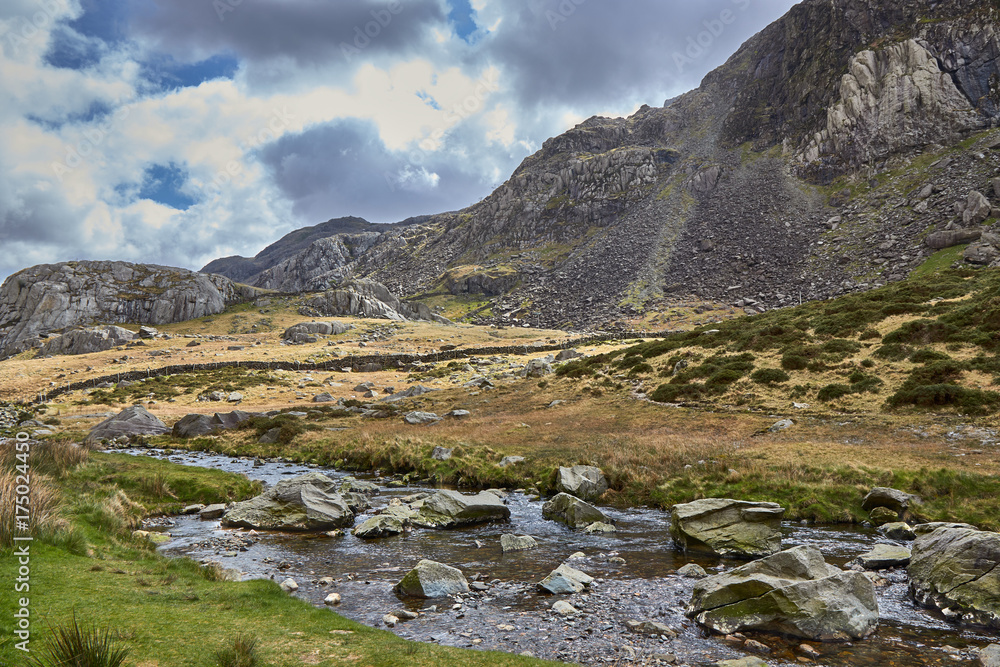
44	499
53	458
71	645
239	651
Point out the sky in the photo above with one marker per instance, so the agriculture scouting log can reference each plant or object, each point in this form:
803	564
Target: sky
177	131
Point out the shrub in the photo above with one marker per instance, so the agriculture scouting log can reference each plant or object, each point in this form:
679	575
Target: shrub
73	646
971	401
926	356
726	376
893	352
867	363
794	362
833	391
672	393
869	334
770	376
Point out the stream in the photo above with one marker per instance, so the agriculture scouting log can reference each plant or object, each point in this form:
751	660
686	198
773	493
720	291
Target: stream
634	570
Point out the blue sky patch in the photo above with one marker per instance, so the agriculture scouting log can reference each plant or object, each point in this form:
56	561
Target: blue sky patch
169	74
163	183
462	18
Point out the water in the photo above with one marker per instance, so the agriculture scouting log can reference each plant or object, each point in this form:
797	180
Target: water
643	588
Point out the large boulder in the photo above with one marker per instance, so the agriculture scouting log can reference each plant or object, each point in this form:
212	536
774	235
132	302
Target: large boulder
135	420
572	511
724	527
977	208
951	237
85	341
957	570
883	556
307	502
793	592
585	482
305	332
430	579
900	502
450	509
196	424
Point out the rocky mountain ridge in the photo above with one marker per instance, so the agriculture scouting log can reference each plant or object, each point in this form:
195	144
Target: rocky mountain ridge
792	173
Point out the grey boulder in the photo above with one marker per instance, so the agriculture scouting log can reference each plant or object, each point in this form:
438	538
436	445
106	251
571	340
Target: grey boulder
793	592
565	580
900	502
884	556
304	503
572	511
730	528
450	509
302	332
957	570
392	521
989	656
86	341
417	418
135	420
586	482
430	579
509	542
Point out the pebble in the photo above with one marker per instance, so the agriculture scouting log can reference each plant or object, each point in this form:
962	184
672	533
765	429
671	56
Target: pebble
332	599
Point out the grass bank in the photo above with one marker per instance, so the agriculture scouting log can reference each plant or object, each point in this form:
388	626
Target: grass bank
86	565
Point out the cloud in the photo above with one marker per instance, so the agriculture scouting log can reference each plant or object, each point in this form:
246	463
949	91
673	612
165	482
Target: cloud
177	131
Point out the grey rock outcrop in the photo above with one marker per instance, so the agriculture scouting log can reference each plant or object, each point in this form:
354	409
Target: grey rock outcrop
135	420
450	509
430	579
572	511
309	502
196	424
53	297
957	570
302	332
86	341
724	527
586	482
367	298
793	592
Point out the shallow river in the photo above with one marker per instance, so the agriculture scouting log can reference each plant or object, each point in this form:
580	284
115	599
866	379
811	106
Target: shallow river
512	615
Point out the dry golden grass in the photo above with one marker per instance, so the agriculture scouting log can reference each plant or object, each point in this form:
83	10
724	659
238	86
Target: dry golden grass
44	501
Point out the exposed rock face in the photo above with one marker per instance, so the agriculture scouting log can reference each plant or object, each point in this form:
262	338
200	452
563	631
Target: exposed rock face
135	420
572	511
585	482
365	298
304	503
693	200
430	579
732	528
449	509
85	341
793	592
195	424
53	297
957	570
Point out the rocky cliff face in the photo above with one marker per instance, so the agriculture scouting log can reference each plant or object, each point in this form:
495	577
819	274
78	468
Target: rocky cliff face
53	297
790	173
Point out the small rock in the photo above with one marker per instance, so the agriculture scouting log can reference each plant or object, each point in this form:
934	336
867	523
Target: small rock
564	608
898	530
289	585
390	620
235	397
510	460
756	646
599	527
783	425
749	661
332	599
417	418
884	556
651	628
441	454
693	571
883	515
565	580
510	542
212	511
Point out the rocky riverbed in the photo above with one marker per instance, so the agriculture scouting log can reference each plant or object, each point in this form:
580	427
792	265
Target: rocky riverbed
637	585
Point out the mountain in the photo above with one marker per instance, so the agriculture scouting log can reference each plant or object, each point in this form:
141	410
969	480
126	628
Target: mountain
834	151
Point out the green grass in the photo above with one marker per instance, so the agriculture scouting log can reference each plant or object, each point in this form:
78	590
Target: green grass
939	261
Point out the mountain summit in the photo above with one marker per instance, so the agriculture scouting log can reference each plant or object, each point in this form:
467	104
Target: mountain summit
816	161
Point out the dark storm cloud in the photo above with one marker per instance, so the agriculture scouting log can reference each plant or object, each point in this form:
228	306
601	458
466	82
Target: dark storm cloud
343	168
588	52
308	33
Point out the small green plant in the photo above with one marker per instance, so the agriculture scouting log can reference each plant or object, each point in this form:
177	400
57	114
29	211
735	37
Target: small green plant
75	646
239	651
833	391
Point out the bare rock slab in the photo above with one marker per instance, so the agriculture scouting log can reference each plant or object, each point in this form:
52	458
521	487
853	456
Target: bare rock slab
309	502
730	528
450	509
957	570
793	592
